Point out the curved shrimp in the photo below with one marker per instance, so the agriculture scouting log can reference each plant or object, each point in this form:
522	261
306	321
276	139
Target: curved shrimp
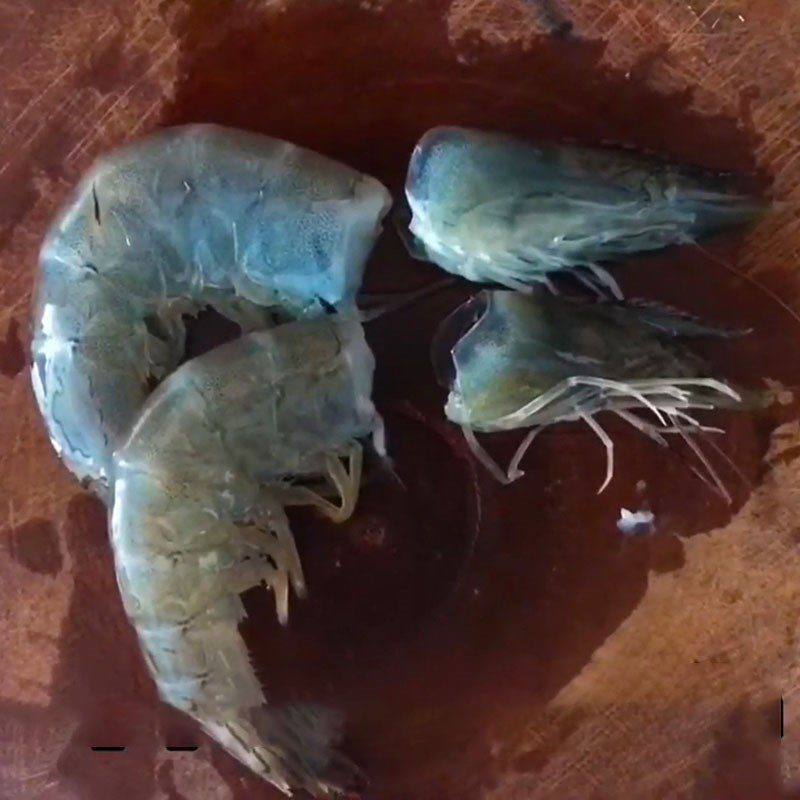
529	361
494	209
189	217
219	449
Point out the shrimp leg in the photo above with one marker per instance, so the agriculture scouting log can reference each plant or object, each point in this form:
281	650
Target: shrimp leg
271	522
607	443
256	571
345	482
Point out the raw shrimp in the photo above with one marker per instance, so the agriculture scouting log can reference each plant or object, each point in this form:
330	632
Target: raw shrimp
494	209
189	217
219	449
529	361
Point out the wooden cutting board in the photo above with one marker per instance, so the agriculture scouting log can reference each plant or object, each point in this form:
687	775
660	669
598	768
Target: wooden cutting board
485	642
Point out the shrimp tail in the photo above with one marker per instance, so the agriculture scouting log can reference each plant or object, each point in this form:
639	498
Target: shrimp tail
241	740
317	764
311	735
294	747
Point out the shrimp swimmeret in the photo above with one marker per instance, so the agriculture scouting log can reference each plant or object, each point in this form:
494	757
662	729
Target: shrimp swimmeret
495	209
220	448
188	217
529	361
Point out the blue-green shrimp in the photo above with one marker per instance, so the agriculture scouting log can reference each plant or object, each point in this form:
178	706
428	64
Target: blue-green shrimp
529	361
188	217
494	209
221	447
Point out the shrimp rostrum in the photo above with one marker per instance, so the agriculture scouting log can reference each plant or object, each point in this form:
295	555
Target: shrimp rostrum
494	209
189	217
529	361
219	450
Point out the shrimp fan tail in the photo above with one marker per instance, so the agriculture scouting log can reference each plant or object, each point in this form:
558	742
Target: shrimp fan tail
309	736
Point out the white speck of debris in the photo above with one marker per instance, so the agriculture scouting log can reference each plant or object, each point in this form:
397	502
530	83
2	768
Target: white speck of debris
636	523
741	18
641	486
338	563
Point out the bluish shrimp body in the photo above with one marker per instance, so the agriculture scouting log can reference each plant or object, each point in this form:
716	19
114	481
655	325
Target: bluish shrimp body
494	209
188	217
515	361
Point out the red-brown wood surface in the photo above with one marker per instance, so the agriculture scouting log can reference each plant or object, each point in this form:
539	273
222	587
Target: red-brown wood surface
485	642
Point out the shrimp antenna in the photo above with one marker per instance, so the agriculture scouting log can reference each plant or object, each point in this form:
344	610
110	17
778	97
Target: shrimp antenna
726	458
704	431
710	471
749	279
395	301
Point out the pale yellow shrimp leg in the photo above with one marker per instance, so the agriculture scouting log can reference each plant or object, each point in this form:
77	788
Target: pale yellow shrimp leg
258	566
271	523
346	482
